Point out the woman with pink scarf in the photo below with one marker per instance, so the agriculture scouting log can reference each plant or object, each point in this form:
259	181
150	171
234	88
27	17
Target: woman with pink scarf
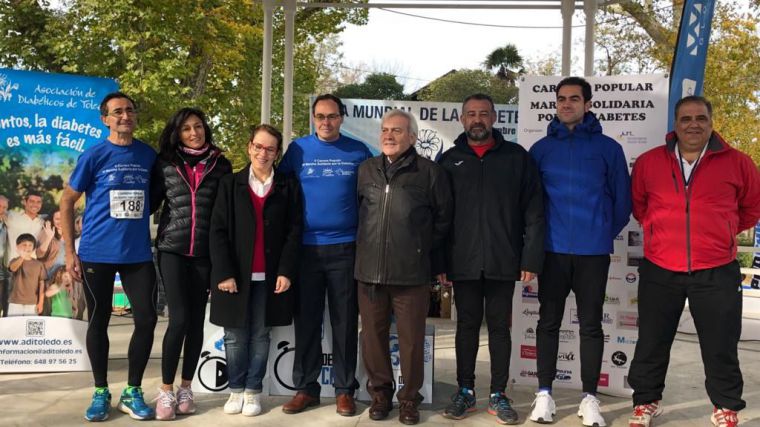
185	178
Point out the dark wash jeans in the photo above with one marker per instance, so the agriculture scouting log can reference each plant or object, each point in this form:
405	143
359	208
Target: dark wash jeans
326	270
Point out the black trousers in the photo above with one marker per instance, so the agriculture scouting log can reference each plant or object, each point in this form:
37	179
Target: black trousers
5	285
715	303
139	283
586	276
326	269
468	297
186	286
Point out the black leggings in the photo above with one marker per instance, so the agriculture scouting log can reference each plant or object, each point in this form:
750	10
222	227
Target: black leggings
186	284
139	283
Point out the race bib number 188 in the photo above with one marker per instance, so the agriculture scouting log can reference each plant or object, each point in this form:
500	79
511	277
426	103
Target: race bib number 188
127	204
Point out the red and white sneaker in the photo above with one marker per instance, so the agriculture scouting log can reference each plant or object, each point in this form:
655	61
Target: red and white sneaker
724	418
643	415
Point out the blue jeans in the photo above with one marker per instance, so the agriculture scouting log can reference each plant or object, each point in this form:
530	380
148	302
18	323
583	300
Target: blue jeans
247	348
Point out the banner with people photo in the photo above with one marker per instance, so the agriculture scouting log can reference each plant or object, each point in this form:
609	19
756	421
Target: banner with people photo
632	110
46	122
438	123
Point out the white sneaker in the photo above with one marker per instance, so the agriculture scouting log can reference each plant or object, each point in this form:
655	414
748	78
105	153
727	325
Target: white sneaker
234	404
543	408
251	404
590	413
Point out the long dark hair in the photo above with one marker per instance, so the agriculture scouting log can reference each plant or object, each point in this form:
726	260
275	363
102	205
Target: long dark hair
170	136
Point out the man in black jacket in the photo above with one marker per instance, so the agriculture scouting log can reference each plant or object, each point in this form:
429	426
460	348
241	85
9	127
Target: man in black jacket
405	210
496	238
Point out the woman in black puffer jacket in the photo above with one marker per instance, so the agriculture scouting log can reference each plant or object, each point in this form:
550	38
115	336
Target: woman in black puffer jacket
185	178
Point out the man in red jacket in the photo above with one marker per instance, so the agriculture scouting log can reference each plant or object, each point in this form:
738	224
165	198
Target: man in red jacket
691	197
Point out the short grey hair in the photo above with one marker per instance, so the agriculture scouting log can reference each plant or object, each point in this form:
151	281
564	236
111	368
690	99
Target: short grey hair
4	198
412	128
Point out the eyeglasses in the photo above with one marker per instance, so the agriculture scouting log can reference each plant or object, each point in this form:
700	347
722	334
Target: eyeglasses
119	112
258	147
322	117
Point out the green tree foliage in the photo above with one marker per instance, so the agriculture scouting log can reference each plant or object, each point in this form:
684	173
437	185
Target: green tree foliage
203	53
640	37
456	86
33	170
375	86
506	61
329	60
11	175
548	66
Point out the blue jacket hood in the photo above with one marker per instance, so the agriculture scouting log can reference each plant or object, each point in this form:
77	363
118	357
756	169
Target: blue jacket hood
590	125
586	187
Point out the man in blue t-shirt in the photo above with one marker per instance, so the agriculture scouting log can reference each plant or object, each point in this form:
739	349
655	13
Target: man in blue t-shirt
326	164
115	177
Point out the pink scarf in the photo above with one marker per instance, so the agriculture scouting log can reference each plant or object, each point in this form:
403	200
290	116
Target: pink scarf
193	151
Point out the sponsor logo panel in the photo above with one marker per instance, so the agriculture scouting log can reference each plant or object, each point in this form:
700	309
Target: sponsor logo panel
529	294
619	359
530	333
604	380
566	335
564	375
626	340
528	352
606	317
628	320
633	299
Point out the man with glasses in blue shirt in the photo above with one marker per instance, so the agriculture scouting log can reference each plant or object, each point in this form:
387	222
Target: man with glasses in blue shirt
326	163
114	175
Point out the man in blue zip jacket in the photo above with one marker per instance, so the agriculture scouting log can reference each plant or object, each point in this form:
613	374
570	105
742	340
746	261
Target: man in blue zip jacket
587	199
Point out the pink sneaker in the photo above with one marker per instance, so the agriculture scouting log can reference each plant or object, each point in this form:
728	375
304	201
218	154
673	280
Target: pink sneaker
185	403
166	405
724	418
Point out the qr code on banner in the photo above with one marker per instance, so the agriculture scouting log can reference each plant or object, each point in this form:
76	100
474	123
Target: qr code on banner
35	328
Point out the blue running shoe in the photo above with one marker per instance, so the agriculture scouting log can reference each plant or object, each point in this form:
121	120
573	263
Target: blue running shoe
462	402
133	403
100	406
501	406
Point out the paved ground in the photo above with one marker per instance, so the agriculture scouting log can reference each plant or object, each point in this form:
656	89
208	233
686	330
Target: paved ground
59	399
